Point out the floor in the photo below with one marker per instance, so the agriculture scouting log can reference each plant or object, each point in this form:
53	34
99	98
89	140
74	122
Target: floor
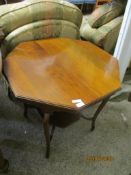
22	141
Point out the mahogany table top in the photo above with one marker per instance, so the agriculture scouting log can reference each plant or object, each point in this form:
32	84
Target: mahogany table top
61	72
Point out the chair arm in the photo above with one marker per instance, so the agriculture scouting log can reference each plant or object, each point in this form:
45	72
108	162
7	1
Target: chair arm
87	32
106	36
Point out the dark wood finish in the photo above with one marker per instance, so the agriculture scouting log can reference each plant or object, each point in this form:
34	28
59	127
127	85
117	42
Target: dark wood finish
25	110
4	164
52	131
46	121
51	74
129	98
99	109
58	71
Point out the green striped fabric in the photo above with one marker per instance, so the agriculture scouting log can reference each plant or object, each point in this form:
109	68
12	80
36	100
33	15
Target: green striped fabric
105	13
105	36
39	30
38	19
16	15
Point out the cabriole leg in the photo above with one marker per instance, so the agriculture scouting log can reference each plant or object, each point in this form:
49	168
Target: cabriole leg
46	119
99	109
4	164
129	98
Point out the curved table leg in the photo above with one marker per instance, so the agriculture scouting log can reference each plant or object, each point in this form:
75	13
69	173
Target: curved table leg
46	126
25	110
46	120
52	132
129	98
99	109
4	164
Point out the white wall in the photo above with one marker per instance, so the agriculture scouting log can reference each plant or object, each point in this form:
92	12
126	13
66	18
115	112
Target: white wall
123	46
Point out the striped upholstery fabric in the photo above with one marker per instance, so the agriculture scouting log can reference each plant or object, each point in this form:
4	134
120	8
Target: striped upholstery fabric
39	30
103	25
38	19
105	13
108	34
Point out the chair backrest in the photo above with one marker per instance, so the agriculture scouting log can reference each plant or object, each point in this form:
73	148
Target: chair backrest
105	13
38	19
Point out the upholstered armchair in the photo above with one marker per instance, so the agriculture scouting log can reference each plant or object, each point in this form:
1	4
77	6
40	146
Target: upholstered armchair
103	25
38	19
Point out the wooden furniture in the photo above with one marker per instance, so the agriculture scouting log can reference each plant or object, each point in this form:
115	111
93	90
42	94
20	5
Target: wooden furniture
129	98
61	75
4	164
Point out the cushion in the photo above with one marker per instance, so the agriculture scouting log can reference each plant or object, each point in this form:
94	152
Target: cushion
106	36
39	30
105	13
86	32
16	15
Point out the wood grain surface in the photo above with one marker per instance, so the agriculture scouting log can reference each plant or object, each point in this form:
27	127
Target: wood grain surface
61	72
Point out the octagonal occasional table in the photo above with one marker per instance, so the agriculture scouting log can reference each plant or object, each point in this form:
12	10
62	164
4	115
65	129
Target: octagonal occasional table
61	75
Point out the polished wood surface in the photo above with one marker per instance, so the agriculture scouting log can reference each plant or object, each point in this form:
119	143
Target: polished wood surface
59	71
